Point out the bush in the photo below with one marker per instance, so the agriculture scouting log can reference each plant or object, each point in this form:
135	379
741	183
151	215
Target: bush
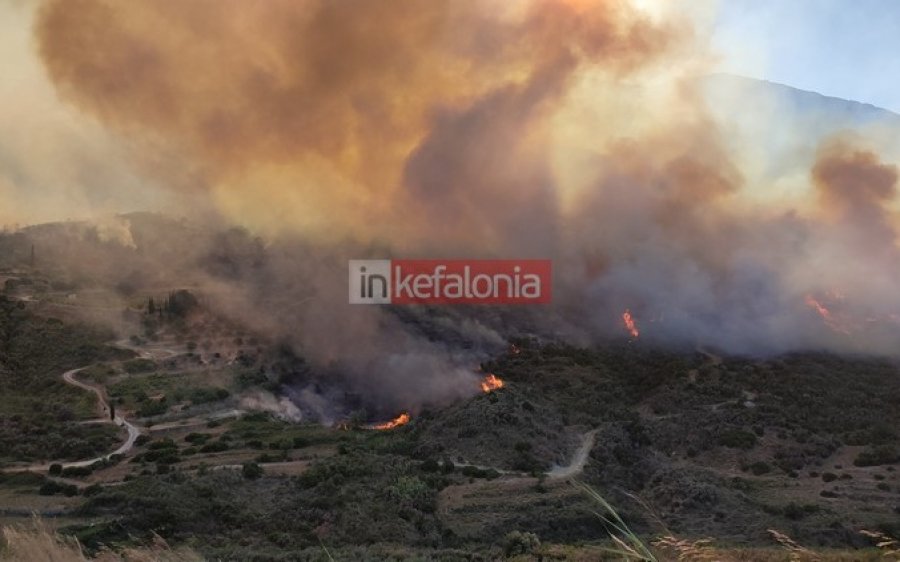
738	439
152	408
167	456
135	366
796	511
21	479
251	471
518	543
475	472
879	455
162	444
409	489
759	468
205	395
214	447
55	469
281	445
76	471
430	465
829	477
53	488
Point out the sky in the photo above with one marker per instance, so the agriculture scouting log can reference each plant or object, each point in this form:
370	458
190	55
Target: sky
842	48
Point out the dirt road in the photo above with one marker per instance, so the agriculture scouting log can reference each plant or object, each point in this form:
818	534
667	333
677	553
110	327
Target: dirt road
133	430
578	460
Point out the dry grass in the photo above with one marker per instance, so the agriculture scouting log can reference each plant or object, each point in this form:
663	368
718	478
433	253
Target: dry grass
890	547
39	543
797	553
782	555
685	550
671	548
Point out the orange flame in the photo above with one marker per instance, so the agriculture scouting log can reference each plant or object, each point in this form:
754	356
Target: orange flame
826	315
491	383
630	324
818	307
402	419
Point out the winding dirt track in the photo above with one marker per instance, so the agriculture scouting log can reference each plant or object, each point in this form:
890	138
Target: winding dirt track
133	430
580	458
574	468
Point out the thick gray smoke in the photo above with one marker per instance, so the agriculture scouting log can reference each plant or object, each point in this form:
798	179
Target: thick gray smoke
580	131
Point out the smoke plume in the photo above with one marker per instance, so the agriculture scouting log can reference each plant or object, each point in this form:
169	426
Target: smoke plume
576	130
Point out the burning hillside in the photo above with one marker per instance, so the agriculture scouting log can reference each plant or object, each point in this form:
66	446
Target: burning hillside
491	383
630	324
400	420
330	131
825	313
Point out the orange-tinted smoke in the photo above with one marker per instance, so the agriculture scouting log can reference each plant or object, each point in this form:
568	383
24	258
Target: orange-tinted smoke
314	103
856	189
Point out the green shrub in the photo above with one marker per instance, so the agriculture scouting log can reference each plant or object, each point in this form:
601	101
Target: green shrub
14	479
150	408
796	511
53	488
475	472
430	465
409	489
76	471
878	455
251	471
518	543
206	395
738	439
162	444
214	447
135	366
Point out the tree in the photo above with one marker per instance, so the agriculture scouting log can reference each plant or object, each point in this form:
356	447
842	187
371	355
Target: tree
151	306
181	303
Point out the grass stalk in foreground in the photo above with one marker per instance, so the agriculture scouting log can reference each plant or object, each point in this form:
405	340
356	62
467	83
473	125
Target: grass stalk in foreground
630	546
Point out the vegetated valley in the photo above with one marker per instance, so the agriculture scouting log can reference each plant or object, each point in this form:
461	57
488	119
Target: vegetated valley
684	443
